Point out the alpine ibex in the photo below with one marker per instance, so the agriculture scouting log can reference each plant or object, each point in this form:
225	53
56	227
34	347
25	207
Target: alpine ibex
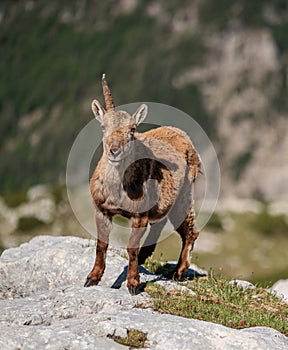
146	177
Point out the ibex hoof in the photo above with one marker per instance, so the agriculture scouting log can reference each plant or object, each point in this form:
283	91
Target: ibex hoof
133	290
90	282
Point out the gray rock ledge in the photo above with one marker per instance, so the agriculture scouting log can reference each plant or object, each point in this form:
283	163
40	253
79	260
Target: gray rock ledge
43	305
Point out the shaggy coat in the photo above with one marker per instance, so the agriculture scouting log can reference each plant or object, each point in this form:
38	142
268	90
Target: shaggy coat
147	178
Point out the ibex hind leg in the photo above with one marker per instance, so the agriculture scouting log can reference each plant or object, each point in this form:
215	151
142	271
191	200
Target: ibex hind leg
189	234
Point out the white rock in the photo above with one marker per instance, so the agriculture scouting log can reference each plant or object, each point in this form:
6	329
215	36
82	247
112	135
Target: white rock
280	288
45	306
169	285
242	284
38	191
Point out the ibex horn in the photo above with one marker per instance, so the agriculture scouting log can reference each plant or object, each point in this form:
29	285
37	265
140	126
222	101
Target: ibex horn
107	94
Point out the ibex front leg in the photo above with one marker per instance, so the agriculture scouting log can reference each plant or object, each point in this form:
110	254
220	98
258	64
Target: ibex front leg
104	225
139	226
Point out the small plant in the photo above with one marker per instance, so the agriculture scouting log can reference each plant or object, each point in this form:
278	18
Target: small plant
14	199
215	223
59	193
134	339
153	266
29	223
270	225
218	301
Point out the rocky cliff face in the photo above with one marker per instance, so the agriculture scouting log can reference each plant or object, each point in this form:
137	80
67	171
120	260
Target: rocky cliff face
44	305
239	81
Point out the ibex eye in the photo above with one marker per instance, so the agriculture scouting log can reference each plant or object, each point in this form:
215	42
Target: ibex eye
132	129
103	128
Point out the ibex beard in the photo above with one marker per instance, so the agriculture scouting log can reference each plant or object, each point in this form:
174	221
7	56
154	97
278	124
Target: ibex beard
146	177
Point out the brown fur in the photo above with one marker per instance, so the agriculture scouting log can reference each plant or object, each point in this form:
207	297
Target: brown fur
152	184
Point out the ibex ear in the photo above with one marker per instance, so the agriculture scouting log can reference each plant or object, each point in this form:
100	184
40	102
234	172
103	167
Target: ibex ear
98	110
140	114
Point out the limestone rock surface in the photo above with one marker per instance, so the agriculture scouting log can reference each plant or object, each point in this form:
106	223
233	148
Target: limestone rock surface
43	305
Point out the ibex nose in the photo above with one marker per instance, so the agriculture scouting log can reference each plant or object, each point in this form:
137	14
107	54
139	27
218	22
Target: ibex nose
115	151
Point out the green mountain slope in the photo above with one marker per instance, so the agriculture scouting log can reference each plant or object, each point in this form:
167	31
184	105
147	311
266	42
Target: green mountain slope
53	54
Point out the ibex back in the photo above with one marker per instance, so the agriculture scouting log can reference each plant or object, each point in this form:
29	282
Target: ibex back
145	177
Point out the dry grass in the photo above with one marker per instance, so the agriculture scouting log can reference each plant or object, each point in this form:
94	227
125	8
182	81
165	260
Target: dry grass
134	339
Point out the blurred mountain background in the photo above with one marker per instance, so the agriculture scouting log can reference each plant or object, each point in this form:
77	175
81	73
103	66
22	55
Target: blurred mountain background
224	63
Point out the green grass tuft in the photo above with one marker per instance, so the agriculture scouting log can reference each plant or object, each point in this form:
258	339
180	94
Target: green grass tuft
217	301
14	199
29	223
